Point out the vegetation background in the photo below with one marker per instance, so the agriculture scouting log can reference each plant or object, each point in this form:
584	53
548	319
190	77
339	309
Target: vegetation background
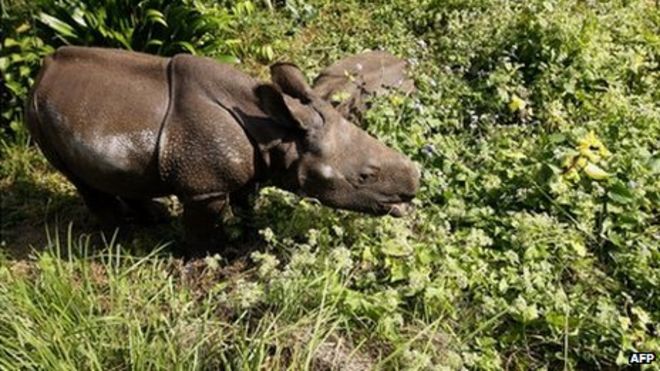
535	244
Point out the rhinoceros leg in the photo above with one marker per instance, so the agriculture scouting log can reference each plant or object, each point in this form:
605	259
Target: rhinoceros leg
107	208
202	221
241	202
148	211
242	206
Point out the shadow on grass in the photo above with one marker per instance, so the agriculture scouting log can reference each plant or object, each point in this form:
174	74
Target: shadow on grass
38	209
35	210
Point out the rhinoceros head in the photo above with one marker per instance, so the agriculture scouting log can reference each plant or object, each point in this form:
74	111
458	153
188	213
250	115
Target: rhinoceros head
338	163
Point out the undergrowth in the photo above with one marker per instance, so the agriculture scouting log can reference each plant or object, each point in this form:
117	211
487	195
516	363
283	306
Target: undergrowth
534	244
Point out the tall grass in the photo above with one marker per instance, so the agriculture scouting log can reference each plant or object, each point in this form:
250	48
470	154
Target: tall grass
72	308
534	244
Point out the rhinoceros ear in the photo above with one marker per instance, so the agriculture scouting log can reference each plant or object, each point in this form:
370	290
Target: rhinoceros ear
291	81
287	111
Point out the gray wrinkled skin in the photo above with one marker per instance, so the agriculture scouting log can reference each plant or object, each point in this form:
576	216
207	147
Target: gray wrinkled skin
127	127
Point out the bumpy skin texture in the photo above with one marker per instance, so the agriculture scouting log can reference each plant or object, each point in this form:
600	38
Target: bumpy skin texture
126	127
203	150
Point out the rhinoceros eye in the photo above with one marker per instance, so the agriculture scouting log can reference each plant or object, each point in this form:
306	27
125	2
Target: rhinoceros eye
368	175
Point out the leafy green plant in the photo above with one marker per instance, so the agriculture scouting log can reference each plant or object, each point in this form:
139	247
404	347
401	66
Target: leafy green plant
20	57
534	244
154	26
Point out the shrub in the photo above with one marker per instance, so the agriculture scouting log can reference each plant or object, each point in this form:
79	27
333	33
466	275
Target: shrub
152	26
535	240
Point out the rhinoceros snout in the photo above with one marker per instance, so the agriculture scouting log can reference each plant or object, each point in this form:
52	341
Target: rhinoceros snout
407	185
416	174
410	182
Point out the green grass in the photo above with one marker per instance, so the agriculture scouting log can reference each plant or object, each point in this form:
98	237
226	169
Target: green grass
71	308
535	243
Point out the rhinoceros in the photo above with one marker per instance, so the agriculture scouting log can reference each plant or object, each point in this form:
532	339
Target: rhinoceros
126	127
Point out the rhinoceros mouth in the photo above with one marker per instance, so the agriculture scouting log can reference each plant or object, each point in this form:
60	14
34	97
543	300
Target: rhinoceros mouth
397	209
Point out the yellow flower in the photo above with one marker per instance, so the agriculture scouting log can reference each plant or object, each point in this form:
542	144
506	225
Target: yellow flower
572	174
517	104
396	100
569	161
592	148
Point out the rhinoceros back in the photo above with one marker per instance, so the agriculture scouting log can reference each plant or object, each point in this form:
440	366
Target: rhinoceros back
96	113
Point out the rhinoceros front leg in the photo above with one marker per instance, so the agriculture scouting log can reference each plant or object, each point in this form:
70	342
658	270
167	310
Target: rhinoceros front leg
202	221
242	206
242	202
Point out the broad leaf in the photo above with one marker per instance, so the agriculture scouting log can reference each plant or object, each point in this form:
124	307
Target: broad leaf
59	26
